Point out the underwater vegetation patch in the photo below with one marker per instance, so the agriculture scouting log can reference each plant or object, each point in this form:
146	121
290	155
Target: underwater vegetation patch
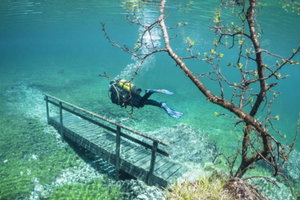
209	188
30	157
93	190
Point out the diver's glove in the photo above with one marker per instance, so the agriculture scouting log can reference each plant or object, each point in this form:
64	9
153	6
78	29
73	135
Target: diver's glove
163	91
171	112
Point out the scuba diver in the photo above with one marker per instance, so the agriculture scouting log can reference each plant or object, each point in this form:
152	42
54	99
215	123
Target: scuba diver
124	93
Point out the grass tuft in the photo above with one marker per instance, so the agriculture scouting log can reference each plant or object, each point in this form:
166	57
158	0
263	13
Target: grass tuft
206	188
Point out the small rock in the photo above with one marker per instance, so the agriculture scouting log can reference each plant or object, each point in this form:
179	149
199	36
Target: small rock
34	157
142	197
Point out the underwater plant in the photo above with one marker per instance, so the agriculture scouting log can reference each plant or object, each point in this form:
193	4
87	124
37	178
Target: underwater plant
95	189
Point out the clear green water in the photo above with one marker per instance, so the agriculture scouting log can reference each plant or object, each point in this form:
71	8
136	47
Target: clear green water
57	47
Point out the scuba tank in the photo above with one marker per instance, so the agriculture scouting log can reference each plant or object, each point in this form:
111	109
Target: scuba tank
125	85
128	86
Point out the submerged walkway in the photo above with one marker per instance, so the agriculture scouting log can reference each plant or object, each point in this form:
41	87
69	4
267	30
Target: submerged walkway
131	151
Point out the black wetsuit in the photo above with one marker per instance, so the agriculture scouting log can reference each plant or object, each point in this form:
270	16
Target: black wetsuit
133	98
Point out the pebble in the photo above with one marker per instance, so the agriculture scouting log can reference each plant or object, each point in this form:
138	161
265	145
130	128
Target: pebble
138	190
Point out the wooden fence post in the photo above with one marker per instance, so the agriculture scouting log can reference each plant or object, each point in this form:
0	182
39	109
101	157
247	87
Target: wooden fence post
61	119
152	163
118	148
47	108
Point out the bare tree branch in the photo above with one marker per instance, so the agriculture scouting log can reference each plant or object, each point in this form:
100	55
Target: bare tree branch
245	100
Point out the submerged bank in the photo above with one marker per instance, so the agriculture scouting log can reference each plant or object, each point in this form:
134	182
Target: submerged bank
38	164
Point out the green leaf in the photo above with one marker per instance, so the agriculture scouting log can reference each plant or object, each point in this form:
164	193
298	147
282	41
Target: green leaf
190	42
213	51
217	17
240	65
276	117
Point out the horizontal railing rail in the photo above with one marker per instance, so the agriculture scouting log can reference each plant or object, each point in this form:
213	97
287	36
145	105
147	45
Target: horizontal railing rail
47	96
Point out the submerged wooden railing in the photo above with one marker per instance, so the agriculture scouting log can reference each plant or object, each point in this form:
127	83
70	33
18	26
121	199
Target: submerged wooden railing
98	120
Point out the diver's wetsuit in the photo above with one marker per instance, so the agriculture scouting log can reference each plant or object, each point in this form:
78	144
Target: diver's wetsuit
139	101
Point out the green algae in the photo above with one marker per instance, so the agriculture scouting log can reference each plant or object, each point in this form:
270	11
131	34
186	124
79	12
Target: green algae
28	153
32	156
93	190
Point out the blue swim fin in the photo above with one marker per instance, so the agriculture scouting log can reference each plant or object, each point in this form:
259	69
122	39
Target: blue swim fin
163	91
171	112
